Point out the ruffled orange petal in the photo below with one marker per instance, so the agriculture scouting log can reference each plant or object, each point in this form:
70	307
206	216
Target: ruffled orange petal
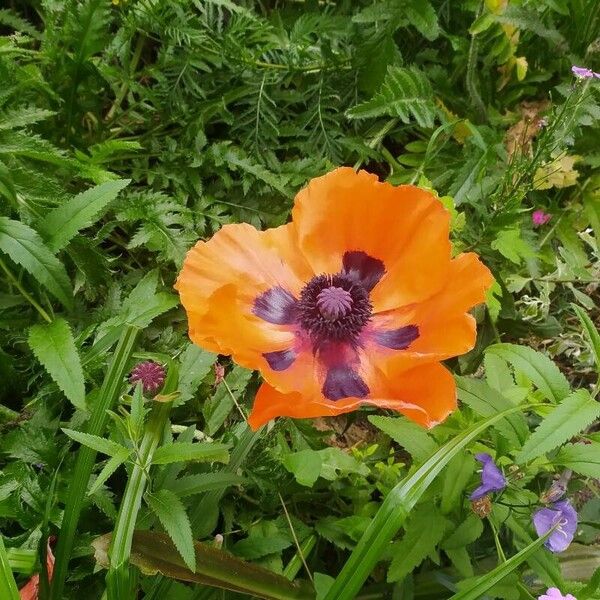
445	327
405	227
220	281
426	395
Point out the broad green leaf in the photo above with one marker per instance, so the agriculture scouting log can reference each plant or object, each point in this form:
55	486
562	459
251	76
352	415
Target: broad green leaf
570	417
592	334
395	509
195	366
97	443
418	443
171	513
54	346
466	533
257	546
477	590
304	465
60	225
183	452
26	248
536	366
456	477
405	93
109	468
189	485
156	553
345	532
330	463
486	401
581	458
425	529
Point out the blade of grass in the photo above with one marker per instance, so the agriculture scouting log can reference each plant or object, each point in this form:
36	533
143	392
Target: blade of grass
8	585
109	393
120	579
395	509
483	584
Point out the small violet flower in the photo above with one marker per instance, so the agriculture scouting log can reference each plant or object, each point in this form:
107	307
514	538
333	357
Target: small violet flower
539	217
492	479
563	514
555	594
151	374
583	72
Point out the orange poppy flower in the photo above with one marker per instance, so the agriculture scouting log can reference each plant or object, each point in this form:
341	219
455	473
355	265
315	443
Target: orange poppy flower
354	302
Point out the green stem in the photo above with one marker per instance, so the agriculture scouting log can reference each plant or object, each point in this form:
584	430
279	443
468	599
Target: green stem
24	292
118	579
109	393
8	585
471	80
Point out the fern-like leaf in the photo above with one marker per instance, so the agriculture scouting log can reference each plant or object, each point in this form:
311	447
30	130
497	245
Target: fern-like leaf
405	93
570	417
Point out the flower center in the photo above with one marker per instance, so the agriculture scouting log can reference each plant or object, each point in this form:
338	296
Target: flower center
334	308
334	302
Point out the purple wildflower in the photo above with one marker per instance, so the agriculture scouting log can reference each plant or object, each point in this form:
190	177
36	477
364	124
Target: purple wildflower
150	373
555	594
562	514
492	479
539	217
583	72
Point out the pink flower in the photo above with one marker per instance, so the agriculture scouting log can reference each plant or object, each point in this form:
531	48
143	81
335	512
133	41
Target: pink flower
583	72
555	594
539	217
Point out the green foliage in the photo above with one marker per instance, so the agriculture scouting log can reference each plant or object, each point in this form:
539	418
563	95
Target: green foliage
129	131
54	346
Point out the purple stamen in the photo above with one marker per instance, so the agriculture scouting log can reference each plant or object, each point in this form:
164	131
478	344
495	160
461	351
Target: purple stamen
334	302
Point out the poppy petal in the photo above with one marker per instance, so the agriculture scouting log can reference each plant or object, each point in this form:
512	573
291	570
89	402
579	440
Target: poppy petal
426	395
363	269
226	280
445	329
405	228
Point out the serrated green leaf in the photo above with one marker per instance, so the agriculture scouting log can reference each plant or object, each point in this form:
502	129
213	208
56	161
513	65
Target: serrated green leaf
544	374
20	117
172	516
26	248
183	452
304	465
424	531
422	15
60	225
405	93
486	401
54	346
109	468
570	417
195	366
95	442
418	443
581	458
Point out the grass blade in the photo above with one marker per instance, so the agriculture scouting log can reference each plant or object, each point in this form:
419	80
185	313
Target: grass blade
86	457
483	584
394	510
8	586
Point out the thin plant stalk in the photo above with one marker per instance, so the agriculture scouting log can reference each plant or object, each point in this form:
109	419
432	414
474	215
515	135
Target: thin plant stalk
8	585
120	579
86	457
